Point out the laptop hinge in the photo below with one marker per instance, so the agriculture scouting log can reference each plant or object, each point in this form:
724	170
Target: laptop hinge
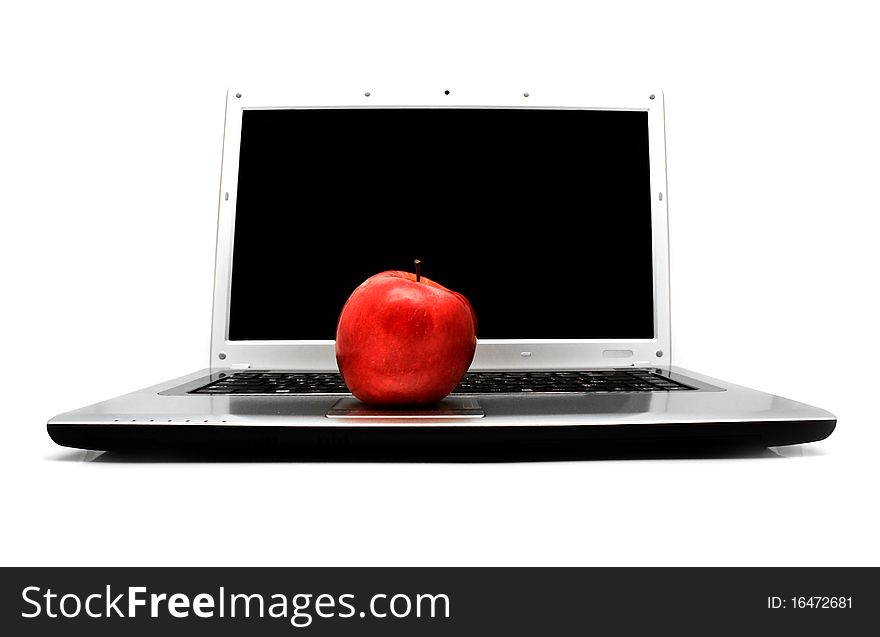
240	366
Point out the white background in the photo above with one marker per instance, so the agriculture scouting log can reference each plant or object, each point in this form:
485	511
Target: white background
111	123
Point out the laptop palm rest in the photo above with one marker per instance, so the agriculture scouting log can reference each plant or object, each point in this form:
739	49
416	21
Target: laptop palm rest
448	408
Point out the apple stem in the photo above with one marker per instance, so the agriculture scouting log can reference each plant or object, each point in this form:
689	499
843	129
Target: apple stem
418	271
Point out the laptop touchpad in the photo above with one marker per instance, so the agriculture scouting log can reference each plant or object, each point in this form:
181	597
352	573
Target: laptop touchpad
448	408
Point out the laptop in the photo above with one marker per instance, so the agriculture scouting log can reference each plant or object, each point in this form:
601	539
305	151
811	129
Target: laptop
548	211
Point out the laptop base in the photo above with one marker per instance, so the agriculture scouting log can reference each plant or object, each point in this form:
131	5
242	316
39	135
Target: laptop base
717	415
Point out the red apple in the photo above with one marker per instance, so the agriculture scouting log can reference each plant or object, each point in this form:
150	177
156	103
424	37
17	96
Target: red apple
403	339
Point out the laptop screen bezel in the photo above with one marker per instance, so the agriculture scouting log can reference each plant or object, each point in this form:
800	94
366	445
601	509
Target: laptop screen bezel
491	353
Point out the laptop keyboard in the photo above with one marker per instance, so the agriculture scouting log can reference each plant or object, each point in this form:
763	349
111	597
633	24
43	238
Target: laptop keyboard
567	382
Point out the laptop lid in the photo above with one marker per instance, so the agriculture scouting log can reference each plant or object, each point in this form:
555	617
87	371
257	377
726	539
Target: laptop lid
548	211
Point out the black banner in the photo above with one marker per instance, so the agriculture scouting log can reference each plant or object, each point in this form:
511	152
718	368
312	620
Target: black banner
438	601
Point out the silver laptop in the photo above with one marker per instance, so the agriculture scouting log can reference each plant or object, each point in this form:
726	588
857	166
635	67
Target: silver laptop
547	211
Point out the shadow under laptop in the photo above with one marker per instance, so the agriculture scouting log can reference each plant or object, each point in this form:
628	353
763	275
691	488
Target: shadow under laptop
450	454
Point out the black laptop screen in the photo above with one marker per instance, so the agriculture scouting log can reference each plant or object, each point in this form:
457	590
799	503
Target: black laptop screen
541	218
